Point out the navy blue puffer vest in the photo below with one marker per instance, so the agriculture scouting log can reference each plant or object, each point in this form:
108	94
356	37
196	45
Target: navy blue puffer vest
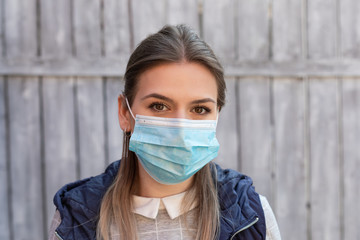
242	216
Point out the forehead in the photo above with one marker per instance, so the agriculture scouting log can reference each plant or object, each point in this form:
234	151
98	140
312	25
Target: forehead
178	80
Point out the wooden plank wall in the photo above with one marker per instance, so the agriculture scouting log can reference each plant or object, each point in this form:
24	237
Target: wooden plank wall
291	122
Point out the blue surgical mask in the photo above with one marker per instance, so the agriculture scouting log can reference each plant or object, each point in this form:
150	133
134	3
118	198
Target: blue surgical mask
173	149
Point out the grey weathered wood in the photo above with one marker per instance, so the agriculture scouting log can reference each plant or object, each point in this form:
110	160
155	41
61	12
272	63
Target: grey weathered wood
255	132
58	103
147	18
91	126
253	30
4	220
114	87
87	29
350	32
116	68
89	91
324	158
117	36
351	137
227	129
59	137
322	29
219	15
183	12
25	158
287	26
289	127
20	29
55	29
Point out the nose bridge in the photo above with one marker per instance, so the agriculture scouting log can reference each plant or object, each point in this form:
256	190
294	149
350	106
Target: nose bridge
181	112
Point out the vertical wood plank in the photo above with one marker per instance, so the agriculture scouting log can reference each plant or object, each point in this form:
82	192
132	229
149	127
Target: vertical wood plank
255	133
59	137
24	120
219	15
25	158
4	217
114	87
117	29
58	102
351	127
324	125
252	20
324	155
87	28
20	29
89	91
289	111
185	11
227	129
55	29
253	30
322	33
287	25
147	18
91	126
350	32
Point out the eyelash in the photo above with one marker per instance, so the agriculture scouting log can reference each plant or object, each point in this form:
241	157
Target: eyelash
154	104
207	110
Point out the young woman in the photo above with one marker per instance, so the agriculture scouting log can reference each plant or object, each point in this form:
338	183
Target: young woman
165	186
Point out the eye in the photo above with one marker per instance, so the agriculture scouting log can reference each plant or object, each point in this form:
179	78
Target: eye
158	107
201	110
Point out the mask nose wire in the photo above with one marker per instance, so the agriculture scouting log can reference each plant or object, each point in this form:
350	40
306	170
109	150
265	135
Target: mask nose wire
128	105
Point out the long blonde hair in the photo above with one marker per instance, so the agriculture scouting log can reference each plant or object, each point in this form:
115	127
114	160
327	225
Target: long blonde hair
170	44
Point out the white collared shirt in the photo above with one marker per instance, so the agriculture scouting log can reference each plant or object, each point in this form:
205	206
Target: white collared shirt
149	207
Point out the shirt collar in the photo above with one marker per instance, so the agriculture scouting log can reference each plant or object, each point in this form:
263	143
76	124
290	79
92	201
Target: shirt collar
149	207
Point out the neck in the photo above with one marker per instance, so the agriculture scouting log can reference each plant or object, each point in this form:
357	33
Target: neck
149	187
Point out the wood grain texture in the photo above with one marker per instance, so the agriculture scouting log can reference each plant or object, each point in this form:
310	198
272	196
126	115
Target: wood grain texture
56	29
286	31
91	126
350	32
183	12
253	30
114	87
59	137
20	29
89	91
322	29
147	18
4	219
290	192
25	158
109	67
220	15
324	158
255	133
58	103
117	39
351	137
87	29
227	129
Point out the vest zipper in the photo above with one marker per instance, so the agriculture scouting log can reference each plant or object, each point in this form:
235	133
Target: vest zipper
58	236
246	227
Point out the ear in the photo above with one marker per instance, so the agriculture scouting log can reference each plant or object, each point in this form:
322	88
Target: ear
124	114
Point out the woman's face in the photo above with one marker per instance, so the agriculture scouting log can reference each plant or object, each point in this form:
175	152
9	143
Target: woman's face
176	90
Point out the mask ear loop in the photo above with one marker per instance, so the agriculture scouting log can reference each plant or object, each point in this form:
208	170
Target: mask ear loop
128	134
128	105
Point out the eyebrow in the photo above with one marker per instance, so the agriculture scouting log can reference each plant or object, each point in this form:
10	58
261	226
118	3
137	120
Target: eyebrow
162	97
